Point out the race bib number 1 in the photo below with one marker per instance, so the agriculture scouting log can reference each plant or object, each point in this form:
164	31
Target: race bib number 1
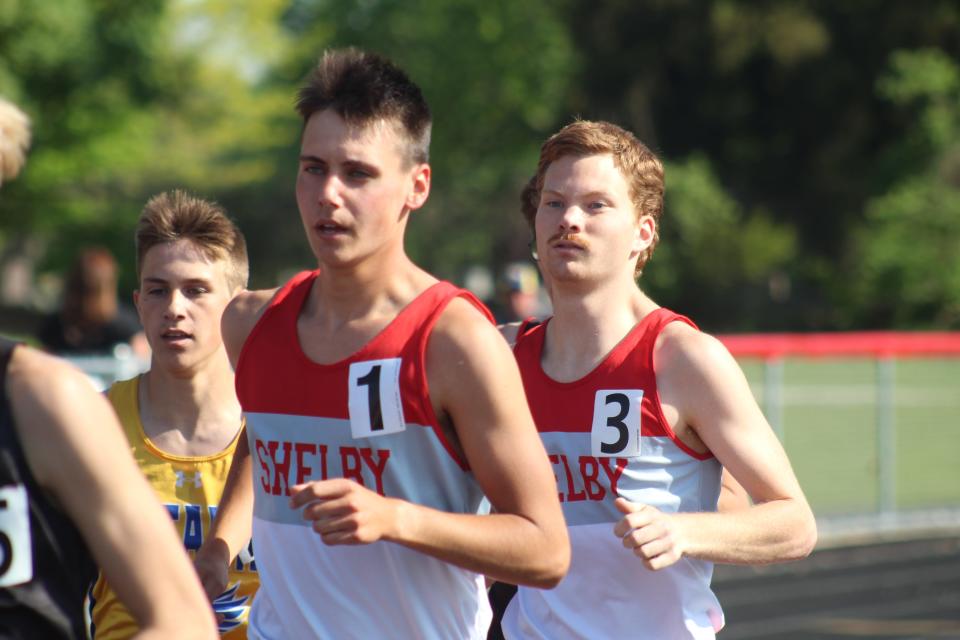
16	557
616	423
375	405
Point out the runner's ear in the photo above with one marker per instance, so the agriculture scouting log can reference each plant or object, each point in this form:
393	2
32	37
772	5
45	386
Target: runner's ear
420	190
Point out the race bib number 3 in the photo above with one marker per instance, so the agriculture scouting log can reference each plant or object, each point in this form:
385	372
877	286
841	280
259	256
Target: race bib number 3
616	423
16	557
375	405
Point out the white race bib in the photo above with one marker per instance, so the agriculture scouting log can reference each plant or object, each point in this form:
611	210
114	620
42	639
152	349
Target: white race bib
376	408
16	556
616	423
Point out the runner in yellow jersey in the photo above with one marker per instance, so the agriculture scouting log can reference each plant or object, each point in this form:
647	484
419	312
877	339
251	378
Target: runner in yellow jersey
182	417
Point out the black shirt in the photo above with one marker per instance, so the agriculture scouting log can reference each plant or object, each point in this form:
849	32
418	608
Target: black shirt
60	338
42	598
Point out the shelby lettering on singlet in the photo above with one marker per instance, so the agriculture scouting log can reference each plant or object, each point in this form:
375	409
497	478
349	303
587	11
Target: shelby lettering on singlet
367	418
606	436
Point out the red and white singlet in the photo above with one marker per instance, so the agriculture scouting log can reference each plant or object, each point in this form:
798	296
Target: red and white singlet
368	418
606	436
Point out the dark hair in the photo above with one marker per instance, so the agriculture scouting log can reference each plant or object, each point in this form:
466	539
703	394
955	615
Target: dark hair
364	87
177	215
90	294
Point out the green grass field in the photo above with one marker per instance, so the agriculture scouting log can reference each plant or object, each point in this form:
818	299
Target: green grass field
830	430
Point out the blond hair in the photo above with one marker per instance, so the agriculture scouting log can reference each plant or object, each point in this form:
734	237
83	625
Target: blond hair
177	215
14	140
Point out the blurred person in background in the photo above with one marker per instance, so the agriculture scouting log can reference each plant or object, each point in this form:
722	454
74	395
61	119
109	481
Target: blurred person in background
91	321
181	417
69	488
640	413
521	295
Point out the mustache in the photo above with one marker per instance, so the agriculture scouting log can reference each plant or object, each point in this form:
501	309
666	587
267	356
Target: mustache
570	238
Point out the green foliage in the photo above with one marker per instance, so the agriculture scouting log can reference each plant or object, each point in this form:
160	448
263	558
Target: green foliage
812	147
88	74
786	31
710	247
909	267
923	74
785	101
81	70
123	106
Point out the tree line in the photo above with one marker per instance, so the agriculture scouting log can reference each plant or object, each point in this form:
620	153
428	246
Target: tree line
812	148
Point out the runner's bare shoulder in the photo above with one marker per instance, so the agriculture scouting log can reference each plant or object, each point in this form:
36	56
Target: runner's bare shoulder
242	315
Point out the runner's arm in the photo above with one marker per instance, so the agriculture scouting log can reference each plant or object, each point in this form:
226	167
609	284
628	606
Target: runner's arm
474	378
76	450
733	497
231	529
779	526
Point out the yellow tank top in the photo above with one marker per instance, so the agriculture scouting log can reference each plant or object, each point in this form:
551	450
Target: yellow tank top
190	489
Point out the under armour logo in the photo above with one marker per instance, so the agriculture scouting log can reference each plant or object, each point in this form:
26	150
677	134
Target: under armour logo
197	479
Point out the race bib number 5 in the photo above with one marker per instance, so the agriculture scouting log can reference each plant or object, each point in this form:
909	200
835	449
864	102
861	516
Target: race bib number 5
616	423
376	408
16	557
